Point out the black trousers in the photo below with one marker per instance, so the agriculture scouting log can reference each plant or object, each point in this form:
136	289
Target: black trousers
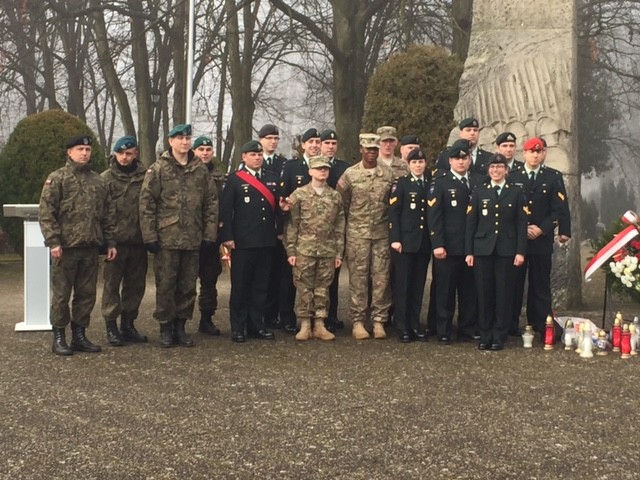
210	270
409	278
495	278
333	296
455	277
250	269
538	268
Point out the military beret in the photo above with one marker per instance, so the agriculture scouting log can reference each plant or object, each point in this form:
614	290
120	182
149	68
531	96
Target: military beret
410	140
183	129
328	134
536	144
78	140
125	143
460	148
387	132
505	137
202	141
468	122
252	146
369	140
319	161
498	158
267	130
309	134
416	154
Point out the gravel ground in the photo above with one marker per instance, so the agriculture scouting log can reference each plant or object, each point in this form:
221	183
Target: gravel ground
287	410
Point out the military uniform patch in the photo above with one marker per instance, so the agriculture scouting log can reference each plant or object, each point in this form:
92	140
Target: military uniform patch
393	200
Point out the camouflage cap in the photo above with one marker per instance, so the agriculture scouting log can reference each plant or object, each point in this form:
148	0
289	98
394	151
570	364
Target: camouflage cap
183	129
78	140
505	137
202	141
369	140
387	132
319	161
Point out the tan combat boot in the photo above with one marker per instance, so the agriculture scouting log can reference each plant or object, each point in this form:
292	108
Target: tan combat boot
305	330
319	330
359	332
378	331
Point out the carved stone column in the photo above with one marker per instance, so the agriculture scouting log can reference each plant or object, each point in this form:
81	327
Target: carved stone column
520	76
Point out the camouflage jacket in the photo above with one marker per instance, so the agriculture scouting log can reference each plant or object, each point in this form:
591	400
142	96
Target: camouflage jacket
75	209
398	166
178	204
124	190
316	223
365	193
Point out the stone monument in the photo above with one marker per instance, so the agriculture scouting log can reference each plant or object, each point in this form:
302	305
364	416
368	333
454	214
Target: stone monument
520	76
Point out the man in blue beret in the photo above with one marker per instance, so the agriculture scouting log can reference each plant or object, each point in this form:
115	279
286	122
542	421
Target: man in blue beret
178	215
125	278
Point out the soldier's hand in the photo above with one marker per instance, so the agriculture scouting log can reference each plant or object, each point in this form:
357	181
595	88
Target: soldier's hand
152	247
56	252
519	260
397	246
230	244
285	204
469	260
292	261
440	253
563	238
112	253
533	232
338	262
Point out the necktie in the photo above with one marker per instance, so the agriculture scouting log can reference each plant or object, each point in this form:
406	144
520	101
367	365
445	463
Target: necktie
269	161
497	189
464	182
258	175
420	183
532	176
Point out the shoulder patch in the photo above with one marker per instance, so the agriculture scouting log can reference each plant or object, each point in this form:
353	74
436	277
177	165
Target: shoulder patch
432	188
48	182
394	187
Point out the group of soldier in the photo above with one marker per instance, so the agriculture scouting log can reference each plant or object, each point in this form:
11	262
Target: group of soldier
285	227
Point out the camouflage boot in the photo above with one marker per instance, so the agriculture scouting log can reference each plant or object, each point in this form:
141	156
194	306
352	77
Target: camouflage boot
359	332
319	330
378	331
305	330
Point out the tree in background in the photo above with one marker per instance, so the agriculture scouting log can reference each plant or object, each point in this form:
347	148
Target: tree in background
416	92
615	199
36	148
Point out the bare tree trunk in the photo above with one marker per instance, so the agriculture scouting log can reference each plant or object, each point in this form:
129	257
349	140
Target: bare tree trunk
462	13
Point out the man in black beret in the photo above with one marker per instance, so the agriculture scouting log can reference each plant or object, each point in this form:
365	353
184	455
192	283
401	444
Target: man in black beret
250	226
506	145
76	217
269	137
469	129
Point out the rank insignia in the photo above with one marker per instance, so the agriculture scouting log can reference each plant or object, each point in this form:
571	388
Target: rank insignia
454	203
526	210
247	199
393	200
431	202
412	206
485	212
469	209
561	196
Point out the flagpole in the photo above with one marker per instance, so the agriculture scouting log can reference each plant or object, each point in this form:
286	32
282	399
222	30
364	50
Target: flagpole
190	48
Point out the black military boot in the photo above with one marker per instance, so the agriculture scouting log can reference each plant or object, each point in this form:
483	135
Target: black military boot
207	327
60	346
181	335
79	341
167	335
113	335
128	332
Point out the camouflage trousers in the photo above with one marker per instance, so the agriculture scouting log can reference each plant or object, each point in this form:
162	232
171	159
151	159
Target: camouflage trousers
125	280
77	271
176	273
210	270
312	277
369	265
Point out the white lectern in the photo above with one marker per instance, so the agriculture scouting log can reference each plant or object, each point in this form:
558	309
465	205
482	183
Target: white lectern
36	270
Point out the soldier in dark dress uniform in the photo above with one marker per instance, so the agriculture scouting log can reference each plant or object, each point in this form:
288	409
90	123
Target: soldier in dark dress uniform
447	201
329	148
249	229
469	131
495	241
410	246
506	145
545	199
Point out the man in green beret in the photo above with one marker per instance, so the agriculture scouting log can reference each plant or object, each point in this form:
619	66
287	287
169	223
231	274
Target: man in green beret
178	215
125	278
76	218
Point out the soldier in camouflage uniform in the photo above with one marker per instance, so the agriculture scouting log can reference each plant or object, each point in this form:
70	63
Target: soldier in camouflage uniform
178	214
388	143
129	271
210	265
365	192
314	239
76	218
